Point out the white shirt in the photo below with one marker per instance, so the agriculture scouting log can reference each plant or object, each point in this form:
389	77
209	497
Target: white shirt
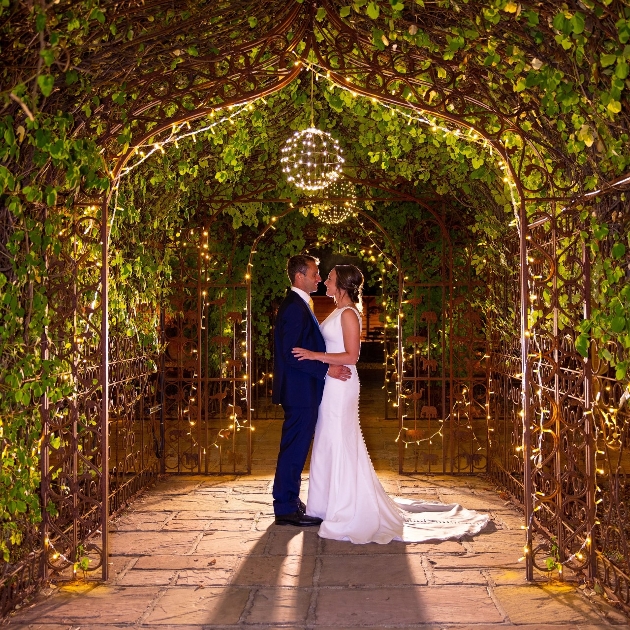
304	295
307	298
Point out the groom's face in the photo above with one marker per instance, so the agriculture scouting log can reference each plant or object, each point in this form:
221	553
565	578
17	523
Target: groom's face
311	279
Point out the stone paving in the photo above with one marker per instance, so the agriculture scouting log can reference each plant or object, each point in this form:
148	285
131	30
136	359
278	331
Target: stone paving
203	552
199	552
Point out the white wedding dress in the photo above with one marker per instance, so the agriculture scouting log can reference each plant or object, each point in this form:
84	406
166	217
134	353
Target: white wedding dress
344	490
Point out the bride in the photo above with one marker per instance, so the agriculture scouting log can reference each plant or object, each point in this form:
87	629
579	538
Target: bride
344	490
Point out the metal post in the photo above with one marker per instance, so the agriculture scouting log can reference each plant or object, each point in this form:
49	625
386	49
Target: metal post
248	368
559	499
400	365
201	301
525	400
589	427
45	451
105	389
162	393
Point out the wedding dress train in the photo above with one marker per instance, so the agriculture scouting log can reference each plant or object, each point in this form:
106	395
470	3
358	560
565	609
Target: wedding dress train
344	490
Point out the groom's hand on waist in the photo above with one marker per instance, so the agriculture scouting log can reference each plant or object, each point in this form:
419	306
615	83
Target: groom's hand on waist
342	372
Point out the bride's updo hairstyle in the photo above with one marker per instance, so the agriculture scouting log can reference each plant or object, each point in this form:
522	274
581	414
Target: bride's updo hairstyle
350	280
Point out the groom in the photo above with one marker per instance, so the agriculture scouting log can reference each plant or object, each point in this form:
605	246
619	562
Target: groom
298	386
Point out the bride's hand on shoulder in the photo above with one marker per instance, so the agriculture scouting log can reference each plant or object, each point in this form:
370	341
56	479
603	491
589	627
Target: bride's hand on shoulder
302	353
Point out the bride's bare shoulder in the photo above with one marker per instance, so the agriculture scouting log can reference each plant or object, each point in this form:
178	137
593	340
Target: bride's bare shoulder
354	310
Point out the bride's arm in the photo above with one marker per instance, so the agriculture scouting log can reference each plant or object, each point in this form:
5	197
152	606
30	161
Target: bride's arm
351	330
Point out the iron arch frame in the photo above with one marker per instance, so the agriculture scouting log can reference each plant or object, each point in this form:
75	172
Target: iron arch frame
266	64
466	109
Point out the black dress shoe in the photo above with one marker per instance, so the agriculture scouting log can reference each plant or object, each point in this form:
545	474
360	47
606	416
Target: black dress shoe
298	518
301	506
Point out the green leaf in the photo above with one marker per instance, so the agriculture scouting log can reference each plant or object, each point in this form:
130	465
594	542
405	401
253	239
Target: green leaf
577	23
373	10
321	14
531	17
620	370
585	134
253	21
221	176
621	69
192	51
582	344
345	11
71	77
40	22
7	181
97	15
9	136
48	56
618	324
600	231
335	102
623	27
618	250
46	83
614	106
377	38
51	196
561	23
607	60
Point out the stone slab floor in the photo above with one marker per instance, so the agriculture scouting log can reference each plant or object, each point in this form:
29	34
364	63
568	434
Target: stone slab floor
203	552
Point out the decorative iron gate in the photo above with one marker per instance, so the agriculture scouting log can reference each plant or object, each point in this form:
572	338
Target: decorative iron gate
207	427
443	403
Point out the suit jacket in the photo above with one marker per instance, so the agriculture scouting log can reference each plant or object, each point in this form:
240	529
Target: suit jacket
297	383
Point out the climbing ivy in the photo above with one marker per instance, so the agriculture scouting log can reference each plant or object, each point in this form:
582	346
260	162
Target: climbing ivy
567	63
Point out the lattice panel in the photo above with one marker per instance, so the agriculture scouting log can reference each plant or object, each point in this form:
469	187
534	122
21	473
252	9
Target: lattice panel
558	448
134	421
72	442
443	411
206	413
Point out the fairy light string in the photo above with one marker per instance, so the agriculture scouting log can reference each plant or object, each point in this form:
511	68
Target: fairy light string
145	151
536	456
414	117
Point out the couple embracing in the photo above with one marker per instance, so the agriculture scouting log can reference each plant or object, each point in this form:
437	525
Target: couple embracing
315	380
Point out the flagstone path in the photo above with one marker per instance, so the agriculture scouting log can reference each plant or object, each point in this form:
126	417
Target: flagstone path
201	552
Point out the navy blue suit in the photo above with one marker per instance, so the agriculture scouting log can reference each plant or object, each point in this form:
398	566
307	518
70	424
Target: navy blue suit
298	386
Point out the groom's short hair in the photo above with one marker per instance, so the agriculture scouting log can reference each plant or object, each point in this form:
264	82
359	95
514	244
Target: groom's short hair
299	264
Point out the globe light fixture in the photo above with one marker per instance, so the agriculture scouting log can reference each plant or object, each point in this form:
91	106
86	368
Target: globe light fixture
342	203
311	159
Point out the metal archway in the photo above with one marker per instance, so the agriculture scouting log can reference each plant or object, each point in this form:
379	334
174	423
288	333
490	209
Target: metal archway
457	98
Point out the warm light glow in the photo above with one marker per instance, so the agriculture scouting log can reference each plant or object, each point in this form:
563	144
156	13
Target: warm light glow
334	212
312	159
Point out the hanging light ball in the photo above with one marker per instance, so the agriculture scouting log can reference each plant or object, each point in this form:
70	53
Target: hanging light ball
311	159
342	204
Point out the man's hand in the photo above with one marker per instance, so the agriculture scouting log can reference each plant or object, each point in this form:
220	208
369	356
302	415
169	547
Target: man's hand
342	372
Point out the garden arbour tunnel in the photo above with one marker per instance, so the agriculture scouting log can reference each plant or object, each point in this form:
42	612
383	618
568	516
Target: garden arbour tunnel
541	399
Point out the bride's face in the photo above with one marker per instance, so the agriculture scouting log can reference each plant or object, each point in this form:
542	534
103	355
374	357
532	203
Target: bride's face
331	284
